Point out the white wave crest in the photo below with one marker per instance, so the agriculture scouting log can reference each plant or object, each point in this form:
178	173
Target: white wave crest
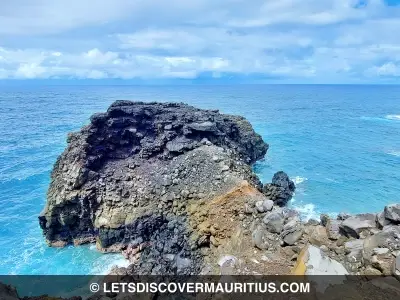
298	180
103	265
307	211
394	153
393	117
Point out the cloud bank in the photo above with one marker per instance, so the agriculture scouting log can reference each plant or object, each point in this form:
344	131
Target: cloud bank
293	40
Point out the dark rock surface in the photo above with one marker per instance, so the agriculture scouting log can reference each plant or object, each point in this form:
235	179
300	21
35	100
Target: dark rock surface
281	189
127	179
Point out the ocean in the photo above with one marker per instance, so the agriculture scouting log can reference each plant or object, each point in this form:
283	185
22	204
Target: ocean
339	143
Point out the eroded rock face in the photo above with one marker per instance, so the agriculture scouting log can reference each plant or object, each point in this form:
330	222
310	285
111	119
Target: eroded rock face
131	175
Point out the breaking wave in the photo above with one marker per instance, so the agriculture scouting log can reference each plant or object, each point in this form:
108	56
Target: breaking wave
298	180
393	117
394	153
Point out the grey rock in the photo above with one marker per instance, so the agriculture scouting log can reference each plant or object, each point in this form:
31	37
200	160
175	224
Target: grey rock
268	205
180	144
259	206
324	248
324	219
380	251
381	220
312	222
343	216
392	213
389	238
248	209
204	126
317	263
274	222
354	249
355	224
292	235
227	264
333	229
292	223
258	238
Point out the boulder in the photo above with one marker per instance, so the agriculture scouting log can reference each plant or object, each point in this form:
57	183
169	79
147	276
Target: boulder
324	219
268	205
259	206
258	238
392	213
343	216
354	249
381	220
354	225
384	263
317	235
227	264
389	238
274	221
333	229
292	235
312	261
281	189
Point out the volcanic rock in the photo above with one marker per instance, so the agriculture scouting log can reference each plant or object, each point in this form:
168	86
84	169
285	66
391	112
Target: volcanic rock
281	189
141	172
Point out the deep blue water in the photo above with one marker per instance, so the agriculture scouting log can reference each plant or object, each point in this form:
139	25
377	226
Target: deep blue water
339	143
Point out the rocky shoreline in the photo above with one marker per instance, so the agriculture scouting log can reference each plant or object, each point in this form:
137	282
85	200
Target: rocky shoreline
172	187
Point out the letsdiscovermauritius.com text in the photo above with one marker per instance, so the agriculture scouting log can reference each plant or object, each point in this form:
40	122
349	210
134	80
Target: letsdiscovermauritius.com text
206	287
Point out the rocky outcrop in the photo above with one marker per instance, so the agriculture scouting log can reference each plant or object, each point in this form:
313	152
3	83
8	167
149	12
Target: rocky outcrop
130	179
172	188
8	292
281	189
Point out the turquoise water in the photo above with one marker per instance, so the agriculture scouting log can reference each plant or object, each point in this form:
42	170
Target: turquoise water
340	144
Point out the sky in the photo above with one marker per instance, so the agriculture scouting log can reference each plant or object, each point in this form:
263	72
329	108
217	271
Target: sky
288	41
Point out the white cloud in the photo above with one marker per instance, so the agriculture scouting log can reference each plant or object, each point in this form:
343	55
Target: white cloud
388	69
334	39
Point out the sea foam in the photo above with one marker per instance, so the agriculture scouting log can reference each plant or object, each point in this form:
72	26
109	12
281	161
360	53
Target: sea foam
393	117
307	211
394	153
298	180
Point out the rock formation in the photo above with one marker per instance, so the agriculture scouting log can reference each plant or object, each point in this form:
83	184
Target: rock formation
281	189
172	188
139	176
